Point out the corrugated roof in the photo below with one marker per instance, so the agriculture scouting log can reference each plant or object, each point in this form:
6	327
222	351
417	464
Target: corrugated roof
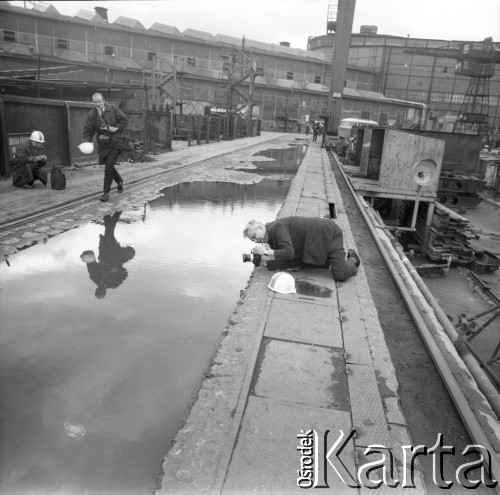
46	8
199	35
88	15
130	23
15	48
229	40
361	93
163	28
123	63
257	44
73	56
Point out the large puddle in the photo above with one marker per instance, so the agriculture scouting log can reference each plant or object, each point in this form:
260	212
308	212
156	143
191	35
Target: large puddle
100	360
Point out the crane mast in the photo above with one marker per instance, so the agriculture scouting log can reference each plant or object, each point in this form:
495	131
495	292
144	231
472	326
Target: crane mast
340	27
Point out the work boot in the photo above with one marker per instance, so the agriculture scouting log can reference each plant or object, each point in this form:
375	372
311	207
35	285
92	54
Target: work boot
353	254
29	186
120	186
105	197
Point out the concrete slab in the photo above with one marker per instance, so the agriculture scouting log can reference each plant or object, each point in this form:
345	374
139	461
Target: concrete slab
301	374
297	321
367	412
266	459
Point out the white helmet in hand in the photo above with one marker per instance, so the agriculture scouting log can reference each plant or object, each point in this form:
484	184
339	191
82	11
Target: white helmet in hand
282	282
86	148
37	136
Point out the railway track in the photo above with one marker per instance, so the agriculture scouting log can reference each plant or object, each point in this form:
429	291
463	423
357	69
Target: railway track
132	185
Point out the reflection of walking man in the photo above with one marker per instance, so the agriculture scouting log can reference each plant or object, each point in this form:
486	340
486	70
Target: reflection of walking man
109	272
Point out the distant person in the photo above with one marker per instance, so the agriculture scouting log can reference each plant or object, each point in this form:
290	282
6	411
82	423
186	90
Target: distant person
105	119
308	129
29	161
315	132
341	147
108	272
300	241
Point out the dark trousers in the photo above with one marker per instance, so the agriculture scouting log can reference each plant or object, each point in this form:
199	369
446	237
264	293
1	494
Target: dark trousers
27	173
340	267
110	172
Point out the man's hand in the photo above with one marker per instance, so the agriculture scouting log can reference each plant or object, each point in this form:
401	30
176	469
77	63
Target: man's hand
112	129
261	249
41	158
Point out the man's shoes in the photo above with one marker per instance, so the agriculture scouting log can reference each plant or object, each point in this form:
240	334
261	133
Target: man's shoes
104	197
120	186
353	254
28	186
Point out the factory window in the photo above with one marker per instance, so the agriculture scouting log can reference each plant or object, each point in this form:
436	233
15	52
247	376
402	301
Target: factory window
191	61
289	75
62	44
259	71
109	50
151	55
317	79
9	35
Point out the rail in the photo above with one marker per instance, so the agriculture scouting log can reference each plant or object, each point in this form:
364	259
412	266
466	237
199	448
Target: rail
476	417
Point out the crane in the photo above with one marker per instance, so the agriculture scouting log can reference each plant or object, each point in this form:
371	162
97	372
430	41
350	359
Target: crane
339	26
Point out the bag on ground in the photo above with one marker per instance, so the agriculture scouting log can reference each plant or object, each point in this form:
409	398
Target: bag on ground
57	178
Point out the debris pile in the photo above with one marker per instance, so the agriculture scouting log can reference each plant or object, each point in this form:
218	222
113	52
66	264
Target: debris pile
141	155
448	236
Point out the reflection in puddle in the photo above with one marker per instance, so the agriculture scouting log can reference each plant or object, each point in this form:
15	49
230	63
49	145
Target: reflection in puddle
307	289
93	390
283	161
108	272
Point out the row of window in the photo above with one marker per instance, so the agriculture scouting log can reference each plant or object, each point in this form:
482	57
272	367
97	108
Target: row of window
64	44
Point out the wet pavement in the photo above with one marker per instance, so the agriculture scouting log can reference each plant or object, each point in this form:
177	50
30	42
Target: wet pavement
290	364
95	362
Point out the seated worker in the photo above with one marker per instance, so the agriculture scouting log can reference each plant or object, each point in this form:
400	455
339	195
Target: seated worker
298	241
28	162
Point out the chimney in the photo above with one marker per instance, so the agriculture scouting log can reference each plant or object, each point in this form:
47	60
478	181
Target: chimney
102	13
284	43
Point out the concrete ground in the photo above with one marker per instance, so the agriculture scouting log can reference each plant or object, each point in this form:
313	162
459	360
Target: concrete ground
287	365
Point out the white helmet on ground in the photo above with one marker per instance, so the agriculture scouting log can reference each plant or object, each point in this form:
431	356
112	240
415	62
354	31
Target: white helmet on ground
37	136
282	282
86	148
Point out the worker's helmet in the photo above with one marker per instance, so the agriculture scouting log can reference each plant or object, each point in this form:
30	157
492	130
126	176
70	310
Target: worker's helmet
86	148
37	136
283	283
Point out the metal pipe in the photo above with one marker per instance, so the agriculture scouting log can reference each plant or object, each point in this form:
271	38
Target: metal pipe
463	347
463	407
482	380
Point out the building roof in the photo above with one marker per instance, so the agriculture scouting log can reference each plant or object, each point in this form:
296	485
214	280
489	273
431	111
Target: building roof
46	8
130	23
198	35
163	28
88	15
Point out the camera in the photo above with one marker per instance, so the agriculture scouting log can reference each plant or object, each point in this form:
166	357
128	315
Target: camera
254	258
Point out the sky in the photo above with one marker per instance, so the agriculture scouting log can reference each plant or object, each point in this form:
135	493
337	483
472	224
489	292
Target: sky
273	21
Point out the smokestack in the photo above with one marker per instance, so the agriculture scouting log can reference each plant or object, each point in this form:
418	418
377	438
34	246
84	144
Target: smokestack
102	13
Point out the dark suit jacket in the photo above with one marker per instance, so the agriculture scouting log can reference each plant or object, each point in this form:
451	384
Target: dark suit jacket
309	239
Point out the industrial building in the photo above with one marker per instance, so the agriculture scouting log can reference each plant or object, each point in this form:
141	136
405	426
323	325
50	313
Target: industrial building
193	71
